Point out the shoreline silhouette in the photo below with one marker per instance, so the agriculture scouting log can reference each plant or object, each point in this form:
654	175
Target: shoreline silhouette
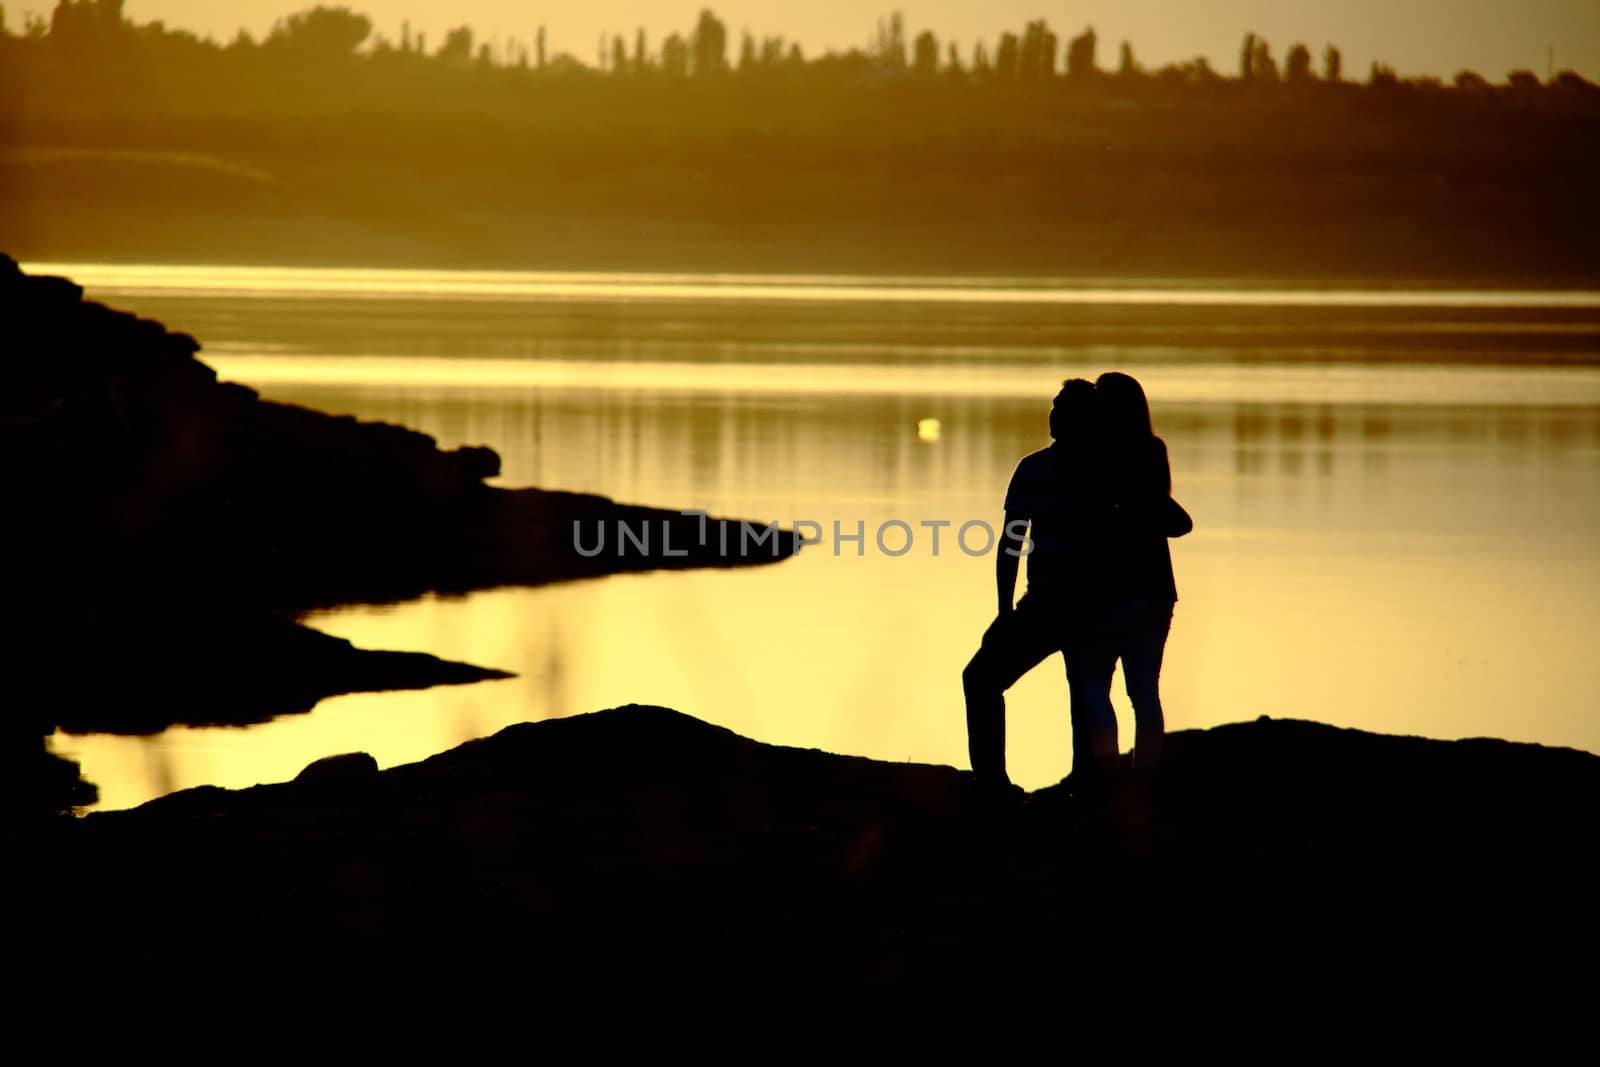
167	528
701	859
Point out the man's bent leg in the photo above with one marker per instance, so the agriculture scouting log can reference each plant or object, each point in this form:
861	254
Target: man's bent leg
1013	645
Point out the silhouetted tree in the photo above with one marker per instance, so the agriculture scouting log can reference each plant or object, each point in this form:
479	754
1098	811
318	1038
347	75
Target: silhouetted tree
619	56
1471	81
1332	65
1297	64
1382	76
323	31
641	56
675	56
1263	68
927	54
457	47
952	61
710	44
1195	72
980	59
1126	66
1521	81
1038	54
1080	55
564	64
1006	56
539	46
91	22
1247	57
1570	81
889	45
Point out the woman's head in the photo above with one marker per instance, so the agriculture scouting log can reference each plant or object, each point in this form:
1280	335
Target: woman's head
1072	414
1121	405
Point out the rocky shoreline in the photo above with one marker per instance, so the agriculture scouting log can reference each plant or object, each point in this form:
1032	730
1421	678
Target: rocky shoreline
643	849
167	528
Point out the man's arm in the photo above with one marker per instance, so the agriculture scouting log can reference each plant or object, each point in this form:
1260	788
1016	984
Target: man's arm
1009	550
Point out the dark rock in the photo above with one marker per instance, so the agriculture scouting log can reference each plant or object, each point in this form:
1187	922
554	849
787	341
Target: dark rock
126	448
155	517
478	461
351	769
156	668
35	784
645	851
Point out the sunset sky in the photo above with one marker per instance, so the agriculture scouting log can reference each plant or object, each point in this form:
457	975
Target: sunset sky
1416	37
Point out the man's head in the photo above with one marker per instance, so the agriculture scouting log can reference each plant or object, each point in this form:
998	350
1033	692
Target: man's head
1073	410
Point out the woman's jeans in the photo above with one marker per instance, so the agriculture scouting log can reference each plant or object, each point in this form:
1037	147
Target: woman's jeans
1018	641
1135	631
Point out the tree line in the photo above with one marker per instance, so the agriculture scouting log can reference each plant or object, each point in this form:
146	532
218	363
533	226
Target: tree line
326	40
1036	151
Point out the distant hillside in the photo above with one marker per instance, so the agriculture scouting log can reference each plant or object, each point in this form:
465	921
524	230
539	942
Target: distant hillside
135	143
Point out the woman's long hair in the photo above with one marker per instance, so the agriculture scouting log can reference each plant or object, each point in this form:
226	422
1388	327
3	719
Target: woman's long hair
1127	440
1123	407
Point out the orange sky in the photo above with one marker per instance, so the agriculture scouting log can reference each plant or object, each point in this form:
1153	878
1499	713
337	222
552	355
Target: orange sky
1414	36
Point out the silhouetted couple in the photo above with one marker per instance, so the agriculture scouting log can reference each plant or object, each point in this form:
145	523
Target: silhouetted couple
1097	507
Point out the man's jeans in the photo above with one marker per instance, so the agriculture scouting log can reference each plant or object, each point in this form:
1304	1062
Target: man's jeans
1019	640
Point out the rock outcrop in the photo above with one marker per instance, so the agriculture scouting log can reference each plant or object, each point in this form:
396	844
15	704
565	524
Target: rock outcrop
130	467
163	528
639	850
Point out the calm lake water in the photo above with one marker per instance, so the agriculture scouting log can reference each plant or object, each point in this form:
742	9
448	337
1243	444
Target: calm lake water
1396	496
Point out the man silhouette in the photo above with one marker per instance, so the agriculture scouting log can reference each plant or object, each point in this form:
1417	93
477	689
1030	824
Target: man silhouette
1057	514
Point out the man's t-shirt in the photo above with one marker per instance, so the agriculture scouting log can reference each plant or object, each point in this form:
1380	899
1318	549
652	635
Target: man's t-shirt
1053	496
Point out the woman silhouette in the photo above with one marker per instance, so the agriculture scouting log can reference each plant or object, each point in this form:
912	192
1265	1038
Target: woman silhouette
1138	591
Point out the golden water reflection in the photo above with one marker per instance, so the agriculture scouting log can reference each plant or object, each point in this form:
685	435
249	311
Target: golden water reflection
1367	568
1400	546
249	282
